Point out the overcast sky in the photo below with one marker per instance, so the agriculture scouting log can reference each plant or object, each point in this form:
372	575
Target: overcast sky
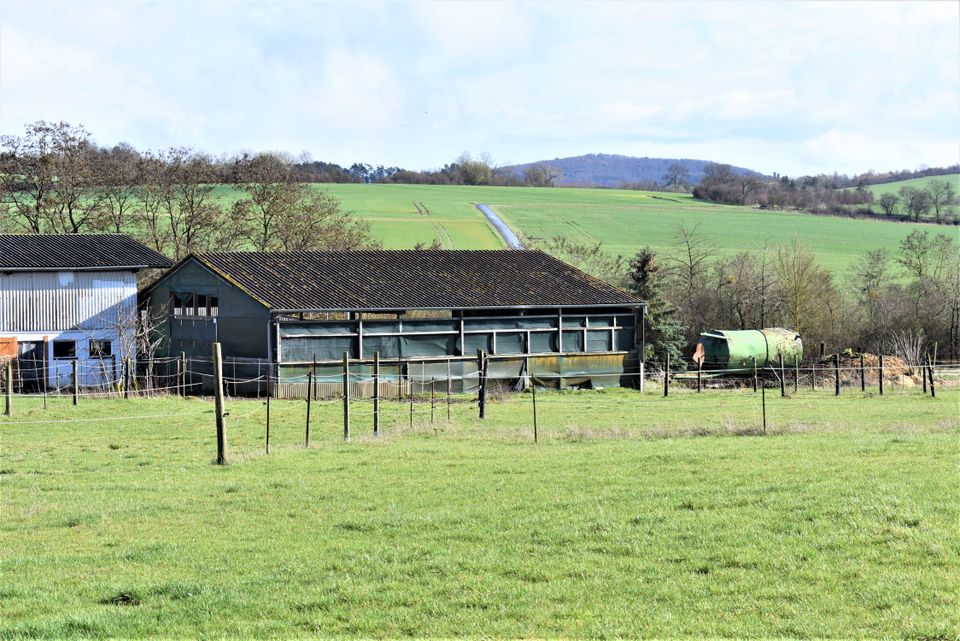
787	87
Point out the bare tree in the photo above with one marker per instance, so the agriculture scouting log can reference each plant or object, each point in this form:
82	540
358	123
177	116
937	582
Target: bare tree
677	177
942	197
28	174
120	185
193	213
542	174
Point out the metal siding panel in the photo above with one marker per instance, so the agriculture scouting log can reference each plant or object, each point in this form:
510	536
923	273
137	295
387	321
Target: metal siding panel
59	301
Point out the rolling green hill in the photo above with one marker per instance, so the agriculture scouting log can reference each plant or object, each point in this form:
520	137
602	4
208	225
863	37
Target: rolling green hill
919	183
624	221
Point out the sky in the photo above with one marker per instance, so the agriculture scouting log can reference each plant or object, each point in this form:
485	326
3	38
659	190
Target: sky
793	88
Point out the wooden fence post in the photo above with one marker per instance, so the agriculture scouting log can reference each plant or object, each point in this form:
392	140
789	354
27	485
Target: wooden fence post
269	394
306	434
836	374
923	374
763	405
485	360
449	390
933	389
218	398
699	376
8	383
534	390
183	373
754	358
410	395
376	393
863	375
881	374
796	374
666	376
346	396
116	375
131	378
783	376
76	381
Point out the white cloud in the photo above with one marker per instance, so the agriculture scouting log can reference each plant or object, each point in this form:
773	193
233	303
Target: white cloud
790	87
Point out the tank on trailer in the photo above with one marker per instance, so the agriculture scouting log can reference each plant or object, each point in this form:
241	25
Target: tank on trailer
726	350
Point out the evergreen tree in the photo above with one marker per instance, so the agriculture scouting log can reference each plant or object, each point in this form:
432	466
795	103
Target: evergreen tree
665	329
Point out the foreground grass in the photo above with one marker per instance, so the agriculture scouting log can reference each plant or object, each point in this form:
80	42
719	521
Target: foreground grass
621	522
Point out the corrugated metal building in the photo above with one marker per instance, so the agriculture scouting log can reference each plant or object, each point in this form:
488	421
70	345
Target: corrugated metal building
426	313
69	298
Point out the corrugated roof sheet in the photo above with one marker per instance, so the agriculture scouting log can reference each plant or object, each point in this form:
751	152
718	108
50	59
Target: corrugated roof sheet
411	279
38	252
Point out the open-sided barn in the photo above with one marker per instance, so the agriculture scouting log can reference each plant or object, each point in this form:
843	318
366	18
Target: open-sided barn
423	312
68	299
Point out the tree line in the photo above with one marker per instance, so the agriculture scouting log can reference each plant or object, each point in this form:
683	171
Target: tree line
898	302
55	179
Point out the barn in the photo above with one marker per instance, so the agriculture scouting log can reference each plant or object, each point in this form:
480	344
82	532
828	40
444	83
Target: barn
68	299
426	314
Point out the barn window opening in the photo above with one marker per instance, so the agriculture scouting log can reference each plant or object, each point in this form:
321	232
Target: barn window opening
191	304
64	349
101	349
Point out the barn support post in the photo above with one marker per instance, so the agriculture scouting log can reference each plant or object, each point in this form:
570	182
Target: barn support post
8	384
376	393
306	434
76	380
346	396
881	375
218	398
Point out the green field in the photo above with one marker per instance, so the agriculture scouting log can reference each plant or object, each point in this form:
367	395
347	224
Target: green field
624	221
633	516
916	183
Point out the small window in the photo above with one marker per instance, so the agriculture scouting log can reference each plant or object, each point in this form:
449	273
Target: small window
177	305
214	305
201	304
101	349
188	302
65	349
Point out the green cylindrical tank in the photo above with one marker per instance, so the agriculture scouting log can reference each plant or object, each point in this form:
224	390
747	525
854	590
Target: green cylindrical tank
735	350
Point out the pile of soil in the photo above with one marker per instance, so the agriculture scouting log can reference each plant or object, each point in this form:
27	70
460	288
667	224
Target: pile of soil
894	368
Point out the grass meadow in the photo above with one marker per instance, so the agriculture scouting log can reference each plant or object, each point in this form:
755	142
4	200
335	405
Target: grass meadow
916	183
633	516
623	221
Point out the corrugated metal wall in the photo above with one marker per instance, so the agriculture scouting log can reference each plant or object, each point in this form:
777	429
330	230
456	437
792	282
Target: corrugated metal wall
56	301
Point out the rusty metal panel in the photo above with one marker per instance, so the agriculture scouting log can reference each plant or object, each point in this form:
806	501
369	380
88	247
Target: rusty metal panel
60	301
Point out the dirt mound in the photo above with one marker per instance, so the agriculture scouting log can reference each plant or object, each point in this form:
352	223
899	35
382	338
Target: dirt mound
894	368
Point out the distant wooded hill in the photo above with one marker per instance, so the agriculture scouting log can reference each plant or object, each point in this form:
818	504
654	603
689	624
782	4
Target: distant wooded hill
611	170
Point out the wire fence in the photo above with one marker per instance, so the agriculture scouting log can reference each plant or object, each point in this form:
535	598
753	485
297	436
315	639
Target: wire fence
406	400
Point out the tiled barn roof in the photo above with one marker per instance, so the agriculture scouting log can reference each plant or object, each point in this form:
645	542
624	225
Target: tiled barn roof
410	279
42	252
